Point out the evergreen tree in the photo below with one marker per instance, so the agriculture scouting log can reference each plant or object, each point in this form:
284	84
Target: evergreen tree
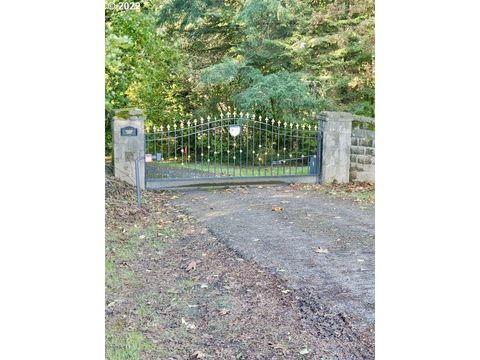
255	53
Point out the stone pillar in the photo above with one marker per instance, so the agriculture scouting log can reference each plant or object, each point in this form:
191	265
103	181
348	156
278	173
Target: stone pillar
128	144
337	132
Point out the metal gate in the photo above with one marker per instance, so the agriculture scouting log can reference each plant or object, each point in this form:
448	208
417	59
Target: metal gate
231	149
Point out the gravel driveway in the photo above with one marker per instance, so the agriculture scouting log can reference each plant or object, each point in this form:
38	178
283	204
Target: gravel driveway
321	245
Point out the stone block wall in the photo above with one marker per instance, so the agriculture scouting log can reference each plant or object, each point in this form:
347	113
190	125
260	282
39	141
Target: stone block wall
362	150
128	148
336	128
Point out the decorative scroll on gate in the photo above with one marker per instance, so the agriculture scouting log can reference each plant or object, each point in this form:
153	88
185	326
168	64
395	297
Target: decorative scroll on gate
231	147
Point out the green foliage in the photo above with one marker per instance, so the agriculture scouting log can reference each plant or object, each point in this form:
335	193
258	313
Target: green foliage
339	40
142	69
281	58
222	73
281	95
187	12
266	17
252	53
126	345
117	76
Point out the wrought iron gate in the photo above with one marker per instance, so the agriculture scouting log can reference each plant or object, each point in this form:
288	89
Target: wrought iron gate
231	149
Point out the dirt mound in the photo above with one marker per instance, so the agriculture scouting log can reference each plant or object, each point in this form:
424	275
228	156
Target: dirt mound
120	201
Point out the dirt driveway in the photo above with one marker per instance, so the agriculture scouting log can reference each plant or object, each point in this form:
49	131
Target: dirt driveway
322	246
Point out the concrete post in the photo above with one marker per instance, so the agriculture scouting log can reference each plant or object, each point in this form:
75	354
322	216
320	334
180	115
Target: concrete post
337	132
128	144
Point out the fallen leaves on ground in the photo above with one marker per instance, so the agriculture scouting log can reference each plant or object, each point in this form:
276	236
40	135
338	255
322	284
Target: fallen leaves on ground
361	192
304	351
198	355
224	311
277	208
219	308
192	265
320	250
190	326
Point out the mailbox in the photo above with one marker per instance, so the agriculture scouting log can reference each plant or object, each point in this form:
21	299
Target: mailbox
128	131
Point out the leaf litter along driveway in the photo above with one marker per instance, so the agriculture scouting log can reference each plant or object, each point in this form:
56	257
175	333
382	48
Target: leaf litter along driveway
174	291
322	246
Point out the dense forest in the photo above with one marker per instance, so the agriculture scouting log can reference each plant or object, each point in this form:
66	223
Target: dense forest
279	58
